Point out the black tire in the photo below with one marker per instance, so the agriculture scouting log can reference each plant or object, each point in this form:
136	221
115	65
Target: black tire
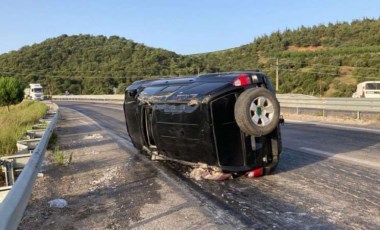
257	112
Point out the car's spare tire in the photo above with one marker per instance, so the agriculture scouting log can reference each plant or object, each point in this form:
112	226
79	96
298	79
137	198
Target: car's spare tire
257	111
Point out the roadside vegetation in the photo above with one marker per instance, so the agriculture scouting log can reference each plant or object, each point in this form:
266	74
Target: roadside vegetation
59	156
326	59
62	158
11	91
16	121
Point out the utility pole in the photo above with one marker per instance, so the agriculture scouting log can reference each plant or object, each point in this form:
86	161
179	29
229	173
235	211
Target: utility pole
276	74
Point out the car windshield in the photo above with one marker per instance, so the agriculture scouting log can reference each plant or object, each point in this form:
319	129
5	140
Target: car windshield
148	91
160	90
37	90
372	86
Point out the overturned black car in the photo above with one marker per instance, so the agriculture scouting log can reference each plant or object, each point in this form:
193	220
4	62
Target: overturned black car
226	120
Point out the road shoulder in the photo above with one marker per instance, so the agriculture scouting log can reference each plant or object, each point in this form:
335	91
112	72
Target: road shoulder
106	187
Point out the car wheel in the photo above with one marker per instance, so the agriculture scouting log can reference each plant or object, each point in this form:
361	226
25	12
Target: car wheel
257	112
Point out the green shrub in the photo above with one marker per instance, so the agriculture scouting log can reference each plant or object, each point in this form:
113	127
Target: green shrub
58	156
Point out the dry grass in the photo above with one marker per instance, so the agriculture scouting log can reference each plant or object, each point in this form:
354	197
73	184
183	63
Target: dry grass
348	79
330	92
13	124
309	48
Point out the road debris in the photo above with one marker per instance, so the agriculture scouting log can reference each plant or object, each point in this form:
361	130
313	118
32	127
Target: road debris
93	136
57	203
209	174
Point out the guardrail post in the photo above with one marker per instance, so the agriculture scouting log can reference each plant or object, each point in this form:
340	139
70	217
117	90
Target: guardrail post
10	179
7	168
358	115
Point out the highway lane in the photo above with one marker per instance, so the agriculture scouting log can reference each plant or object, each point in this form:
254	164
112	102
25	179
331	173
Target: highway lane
355	144
312	187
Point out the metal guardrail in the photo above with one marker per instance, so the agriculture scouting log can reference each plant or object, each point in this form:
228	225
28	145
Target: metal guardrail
116	97
324	104
297	101
13	206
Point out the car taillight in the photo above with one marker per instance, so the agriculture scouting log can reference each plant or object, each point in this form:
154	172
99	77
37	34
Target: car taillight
242	80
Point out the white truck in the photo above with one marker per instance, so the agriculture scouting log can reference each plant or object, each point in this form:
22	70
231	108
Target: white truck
368	89
34	92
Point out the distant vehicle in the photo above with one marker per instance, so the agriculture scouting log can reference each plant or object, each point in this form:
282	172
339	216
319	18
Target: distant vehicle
34	92
368	89
225	120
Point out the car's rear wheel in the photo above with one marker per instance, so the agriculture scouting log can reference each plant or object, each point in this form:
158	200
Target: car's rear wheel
257	111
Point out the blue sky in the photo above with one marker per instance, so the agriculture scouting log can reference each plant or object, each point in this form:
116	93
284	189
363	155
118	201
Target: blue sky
185	27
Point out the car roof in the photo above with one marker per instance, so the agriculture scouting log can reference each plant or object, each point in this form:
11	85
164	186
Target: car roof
209	77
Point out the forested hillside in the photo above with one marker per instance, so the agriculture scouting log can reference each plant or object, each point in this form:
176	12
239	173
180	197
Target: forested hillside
324	60
90	64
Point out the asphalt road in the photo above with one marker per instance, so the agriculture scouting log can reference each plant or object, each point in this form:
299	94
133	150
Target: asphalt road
328	177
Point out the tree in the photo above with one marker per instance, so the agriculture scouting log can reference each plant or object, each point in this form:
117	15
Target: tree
11	91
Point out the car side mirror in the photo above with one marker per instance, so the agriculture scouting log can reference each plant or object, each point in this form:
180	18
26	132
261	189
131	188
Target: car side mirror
132	93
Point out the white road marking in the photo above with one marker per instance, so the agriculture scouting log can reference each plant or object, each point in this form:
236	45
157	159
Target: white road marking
341	157
110	107
334	125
